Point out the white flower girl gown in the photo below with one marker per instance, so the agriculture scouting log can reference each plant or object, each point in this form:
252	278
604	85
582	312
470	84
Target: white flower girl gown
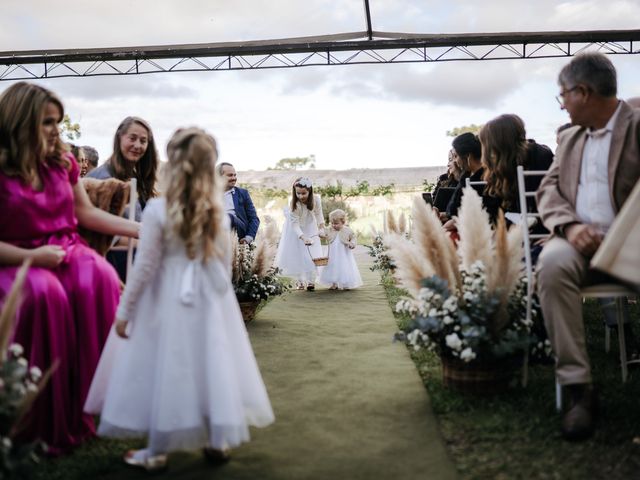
294	258
186	377
342	269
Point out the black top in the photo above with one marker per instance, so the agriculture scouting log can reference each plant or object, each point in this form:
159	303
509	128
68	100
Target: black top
456	199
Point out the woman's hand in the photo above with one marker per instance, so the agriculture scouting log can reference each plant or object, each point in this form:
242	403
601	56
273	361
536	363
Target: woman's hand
47	256
306	240
121	328
352	245
450	225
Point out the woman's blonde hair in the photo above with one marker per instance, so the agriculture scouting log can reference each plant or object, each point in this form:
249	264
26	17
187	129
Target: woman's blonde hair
22	145
194	207
145	169
338	214
504	147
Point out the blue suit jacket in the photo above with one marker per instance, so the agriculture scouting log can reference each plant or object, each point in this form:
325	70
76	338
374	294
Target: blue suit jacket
246	219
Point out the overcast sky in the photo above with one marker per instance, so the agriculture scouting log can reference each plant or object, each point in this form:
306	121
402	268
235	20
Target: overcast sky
348	116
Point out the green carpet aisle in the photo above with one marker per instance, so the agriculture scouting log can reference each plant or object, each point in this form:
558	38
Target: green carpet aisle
349	403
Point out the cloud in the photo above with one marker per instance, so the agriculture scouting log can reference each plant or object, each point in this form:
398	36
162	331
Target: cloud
122	87
466	84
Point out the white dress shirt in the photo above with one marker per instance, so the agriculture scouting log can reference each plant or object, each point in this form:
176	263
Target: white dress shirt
229	207
593	203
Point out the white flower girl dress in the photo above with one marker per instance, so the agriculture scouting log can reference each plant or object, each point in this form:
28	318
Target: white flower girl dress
294	258
342	269
187	377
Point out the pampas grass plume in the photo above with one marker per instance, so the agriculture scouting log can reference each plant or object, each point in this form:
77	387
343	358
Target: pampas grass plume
10	307
434	244
411	267
475	231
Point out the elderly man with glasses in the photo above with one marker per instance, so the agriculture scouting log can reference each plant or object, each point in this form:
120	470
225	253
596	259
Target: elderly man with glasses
596	166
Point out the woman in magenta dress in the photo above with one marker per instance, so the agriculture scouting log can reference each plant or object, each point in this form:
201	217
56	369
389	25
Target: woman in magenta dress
71	293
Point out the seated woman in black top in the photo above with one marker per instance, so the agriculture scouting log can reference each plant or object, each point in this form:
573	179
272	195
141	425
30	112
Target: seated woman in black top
467	153
504	148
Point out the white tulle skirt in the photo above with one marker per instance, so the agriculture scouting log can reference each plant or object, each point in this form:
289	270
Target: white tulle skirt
186	377
342	269
294	258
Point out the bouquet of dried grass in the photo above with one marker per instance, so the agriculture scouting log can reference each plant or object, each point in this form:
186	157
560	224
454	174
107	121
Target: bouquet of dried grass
253	273
468	303
19	387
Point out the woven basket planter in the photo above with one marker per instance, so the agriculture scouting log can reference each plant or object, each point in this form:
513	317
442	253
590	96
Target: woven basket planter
248	310
478	377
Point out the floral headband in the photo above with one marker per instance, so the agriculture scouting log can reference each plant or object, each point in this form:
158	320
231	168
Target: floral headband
304	182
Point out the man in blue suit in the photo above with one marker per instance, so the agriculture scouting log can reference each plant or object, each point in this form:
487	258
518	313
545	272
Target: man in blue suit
238	205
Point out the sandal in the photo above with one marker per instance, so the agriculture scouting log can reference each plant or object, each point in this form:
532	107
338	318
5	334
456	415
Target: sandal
333	287
311	287
142	459
215	456
299	286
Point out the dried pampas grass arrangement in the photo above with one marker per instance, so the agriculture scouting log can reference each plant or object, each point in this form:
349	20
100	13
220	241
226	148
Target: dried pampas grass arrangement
271	232
264	255
402	223
434	244
390	224
475	232
410	268
430	251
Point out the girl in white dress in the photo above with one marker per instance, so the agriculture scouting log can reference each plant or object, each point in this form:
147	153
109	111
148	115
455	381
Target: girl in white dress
300	240
342	270
186	377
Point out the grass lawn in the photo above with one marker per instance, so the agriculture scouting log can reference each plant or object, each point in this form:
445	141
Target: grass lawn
516	435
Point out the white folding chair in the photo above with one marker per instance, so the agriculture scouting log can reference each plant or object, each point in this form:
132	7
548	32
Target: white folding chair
593	291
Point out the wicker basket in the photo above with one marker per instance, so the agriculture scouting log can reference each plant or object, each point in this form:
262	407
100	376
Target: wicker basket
477	377
321	261
248	310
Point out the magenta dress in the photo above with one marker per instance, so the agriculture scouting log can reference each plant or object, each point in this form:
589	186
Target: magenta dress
66	312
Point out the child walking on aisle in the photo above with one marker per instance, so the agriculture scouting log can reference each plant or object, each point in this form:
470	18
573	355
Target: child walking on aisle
300	240
186	377
342	270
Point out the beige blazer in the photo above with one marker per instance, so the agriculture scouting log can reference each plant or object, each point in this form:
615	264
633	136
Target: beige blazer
558	190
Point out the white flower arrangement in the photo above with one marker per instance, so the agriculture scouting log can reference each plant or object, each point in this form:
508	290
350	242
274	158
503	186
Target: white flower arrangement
254	276
468	303
458	324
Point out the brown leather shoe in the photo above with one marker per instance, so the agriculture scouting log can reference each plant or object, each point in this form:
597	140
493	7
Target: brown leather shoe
579	416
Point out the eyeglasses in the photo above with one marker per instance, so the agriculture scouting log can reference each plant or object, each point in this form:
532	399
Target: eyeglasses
560	97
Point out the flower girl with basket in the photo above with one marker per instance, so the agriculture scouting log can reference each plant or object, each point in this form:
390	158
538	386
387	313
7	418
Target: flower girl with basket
299	251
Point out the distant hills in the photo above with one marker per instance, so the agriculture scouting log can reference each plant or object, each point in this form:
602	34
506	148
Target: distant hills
401	177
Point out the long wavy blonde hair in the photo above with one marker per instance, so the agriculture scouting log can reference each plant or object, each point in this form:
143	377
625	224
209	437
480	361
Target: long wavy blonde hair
194	205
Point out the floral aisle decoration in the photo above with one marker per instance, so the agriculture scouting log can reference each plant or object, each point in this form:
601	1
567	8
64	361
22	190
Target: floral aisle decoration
378	249
255	278
19	387
468	305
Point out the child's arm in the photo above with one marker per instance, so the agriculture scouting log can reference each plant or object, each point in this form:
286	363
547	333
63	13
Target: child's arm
294	218
148	258
353	241
317	211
